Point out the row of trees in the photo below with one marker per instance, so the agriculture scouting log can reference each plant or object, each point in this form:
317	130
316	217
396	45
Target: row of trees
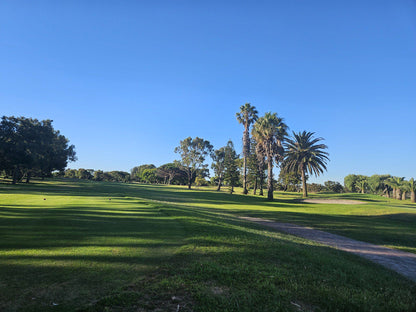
269	145
385	184
95	175
29	147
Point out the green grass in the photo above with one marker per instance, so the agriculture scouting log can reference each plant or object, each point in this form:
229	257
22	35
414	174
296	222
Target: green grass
126	247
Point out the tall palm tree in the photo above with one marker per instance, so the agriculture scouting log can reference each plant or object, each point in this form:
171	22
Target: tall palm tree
304	155
269	132
246	116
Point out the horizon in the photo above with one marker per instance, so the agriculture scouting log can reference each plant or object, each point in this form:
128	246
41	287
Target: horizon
126	82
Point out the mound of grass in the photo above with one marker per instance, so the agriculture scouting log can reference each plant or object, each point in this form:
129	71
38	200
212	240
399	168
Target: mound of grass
88	246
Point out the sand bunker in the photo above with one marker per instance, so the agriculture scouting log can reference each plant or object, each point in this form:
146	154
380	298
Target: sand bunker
331	201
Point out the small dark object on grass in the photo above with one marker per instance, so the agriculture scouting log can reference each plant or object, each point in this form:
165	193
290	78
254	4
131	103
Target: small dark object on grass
44	199
109	199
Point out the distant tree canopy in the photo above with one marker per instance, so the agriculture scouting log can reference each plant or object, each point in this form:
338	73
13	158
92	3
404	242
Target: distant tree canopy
29	147
381	184
96	175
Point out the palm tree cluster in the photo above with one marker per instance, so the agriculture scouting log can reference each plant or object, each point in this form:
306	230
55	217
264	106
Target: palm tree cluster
385	185
302	153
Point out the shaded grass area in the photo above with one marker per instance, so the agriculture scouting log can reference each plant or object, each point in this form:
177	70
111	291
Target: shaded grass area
122	247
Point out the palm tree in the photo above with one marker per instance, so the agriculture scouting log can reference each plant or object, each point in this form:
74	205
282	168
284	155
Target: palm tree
412	187
395	183
246	116
304	155
269	132
362	183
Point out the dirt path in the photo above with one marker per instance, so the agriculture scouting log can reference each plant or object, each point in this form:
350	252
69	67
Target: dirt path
402	262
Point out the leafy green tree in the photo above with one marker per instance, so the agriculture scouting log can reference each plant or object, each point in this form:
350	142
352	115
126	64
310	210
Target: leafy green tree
98	175
137	172
315	187
376	184
289	181
349	183
149	175
193	153
304	154
84	174
70	173
269	132
333	186
218	165
362	183
29	146
168	172
246	116
231	172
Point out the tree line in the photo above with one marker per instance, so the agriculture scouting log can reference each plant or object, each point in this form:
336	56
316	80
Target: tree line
269	145
384	184
29	147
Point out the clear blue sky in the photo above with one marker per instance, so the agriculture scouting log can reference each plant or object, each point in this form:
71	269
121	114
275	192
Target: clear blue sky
125	81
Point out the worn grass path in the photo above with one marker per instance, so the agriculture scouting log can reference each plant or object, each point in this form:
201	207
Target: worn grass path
402	262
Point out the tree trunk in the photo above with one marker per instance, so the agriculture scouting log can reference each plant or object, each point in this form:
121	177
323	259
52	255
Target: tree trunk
189	172
246	151
304	187
398	194
270	178
362	190
394	193
219	184
413	197
28	177
15	175
255	187
404	195
261	183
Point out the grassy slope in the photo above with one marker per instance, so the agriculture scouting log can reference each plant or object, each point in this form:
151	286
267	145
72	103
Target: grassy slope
105	246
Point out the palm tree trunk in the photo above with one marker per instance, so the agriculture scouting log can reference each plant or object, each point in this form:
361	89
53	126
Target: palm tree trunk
394	193
270	178
245	154
304	187
413	197
398	194
404	195
261	183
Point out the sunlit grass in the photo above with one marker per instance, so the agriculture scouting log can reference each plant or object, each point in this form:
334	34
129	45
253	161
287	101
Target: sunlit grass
112	246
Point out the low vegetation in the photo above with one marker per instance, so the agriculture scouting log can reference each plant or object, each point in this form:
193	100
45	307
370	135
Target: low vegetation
99	246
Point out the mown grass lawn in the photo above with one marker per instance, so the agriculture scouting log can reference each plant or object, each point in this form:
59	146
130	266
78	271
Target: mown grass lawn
90	246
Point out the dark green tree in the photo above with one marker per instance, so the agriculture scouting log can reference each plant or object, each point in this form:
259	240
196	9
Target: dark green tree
231	172
218	165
